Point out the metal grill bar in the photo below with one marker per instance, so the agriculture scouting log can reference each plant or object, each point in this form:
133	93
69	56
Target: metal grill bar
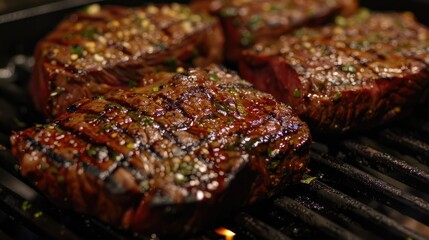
389	164
403	140
259	228
33	216
368	215
313	219
353	178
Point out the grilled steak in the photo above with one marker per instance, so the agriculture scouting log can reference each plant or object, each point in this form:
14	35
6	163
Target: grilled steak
96	50
246	22
356	74
186	146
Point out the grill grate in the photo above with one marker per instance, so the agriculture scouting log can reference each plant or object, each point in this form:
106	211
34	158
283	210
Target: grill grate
354	186
371	186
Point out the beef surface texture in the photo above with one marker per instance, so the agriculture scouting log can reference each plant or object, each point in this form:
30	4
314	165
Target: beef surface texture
97	49
248	21
356	74
170	157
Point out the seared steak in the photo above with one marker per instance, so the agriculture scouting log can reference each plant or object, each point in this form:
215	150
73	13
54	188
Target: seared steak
95	50
246	22
356	74
170	157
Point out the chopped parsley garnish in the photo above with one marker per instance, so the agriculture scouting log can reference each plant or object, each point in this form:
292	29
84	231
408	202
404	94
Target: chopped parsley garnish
296	93
77	49
349	68
213	77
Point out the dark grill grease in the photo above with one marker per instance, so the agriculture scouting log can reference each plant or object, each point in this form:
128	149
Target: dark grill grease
192	144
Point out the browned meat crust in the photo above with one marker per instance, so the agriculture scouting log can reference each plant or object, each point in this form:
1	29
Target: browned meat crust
96	50
359	73
248	21
166	156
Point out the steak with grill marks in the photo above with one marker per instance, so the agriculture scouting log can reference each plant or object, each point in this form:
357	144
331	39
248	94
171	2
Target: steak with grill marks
99	49
358	73
170	157
246	22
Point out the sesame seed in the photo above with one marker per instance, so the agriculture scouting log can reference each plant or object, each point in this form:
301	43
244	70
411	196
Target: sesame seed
145	23
93	9
98	58
152	9
74	57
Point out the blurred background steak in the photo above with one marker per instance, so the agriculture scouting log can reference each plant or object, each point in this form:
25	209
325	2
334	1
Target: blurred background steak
358	73
166	156
246	22
99	49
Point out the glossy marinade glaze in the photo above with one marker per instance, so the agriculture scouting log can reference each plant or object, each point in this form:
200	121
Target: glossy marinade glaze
186	146
103	48
357	73
245	22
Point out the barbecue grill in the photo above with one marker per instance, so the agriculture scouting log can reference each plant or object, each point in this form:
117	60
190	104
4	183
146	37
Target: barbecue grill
372	185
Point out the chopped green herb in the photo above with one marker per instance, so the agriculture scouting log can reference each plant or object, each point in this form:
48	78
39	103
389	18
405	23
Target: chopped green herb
16	167
161	45
195	53
230	120
363	14
92	151
180	178
89	33
148	120
320	85
240	108
155	89
25	205
229	12
337	96
185	168
77	49
58	129
57	91
254	22
43	166
53	170
132	84
273	152
296	93
308	180
113	105
213	77
19	123
233	90
38	214
341	21
130	145
251	143
144	185
171	63
275	8
246	38
220	107
60	179
105	127
349	68
273	164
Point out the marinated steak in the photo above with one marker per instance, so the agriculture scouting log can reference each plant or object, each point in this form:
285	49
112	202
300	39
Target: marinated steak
99	49
166	156
355	74
246	22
